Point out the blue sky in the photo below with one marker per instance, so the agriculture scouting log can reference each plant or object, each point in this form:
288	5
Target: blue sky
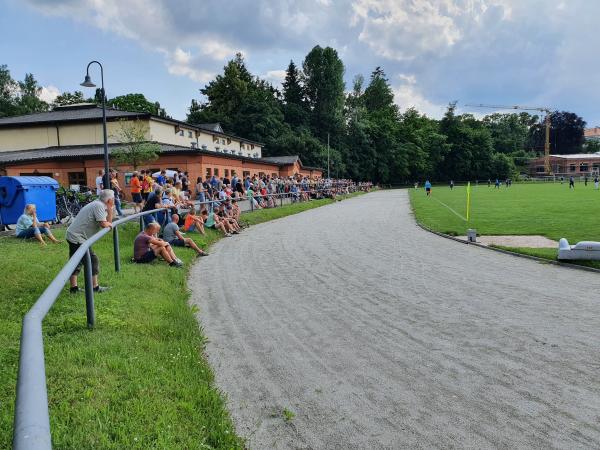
527	52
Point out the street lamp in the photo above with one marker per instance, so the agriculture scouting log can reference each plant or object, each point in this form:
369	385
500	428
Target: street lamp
87	82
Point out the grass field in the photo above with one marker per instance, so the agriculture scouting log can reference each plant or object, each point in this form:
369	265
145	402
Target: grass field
139	379
549	209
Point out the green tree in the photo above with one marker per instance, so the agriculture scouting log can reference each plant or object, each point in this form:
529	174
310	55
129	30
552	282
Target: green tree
244	105
29	101
137	103
509	132
135	150
295	109
9	89
566	133
68	98
324	89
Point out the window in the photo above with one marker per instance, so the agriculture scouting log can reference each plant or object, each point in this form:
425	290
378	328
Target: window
208	173
223	141
246	173
233	173
189	134
226	172
261	174
36	174
539	169
77	178
180	132
242	146
583	167
216	172
572	168
273	175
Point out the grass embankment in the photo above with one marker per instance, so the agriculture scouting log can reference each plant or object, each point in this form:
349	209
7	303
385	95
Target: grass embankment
547	209
139	379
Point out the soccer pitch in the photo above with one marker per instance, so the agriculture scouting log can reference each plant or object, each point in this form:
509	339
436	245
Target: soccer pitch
548	209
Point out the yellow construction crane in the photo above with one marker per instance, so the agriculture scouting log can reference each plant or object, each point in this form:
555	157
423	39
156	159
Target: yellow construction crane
547	167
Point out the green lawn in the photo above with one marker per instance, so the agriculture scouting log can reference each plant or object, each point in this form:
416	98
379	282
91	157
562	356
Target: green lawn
139	379
546	209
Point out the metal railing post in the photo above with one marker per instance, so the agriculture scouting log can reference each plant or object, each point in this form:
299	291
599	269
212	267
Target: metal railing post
116	247
141	223
89	290
281	200
251	203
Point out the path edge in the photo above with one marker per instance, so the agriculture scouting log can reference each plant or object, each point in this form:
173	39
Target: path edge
507	252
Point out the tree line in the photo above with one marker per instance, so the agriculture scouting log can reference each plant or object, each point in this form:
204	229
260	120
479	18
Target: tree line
361	132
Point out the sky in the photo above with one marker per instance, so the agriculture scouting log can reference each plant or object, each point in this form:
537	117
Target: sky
501	52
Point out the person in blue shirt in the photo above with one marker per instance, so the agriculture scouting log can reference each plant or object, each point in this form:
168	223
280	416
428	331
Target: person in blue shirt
428	188
28	226
161	179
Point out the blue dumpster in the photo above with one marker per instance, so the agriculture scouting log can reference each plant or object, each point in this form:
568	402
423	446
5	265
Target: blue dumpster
16	192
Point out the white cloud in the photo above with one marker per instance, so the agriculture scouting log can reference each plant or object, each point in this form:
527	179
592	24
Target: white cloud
180	63
408	95
49	93
276	77
402	30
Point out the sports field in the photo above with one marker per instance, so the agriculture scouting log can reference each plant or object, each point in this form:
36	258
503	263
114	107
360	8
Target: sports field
547	209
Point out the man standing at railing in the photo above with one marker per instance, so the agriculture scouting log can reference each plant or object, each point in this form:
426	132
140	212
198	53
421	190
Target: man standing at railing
92	217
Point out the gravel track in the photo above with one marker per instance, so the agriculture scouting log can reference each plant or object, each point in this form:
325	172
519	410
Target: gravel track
377	334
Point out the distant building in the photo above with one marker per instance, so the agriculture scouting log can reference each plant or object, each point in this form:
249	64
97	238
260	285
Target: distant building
67	144
580	164
592	134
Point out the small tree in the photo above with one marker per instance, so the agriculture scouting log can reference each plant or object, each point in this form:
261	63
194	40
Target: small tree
136	149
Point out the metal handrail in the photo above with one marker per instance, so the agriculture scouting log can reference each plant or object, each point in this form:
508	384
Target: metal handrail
32	419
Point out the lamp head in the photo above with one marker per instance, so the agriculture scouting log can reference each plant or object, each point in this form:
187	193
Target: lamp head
88	82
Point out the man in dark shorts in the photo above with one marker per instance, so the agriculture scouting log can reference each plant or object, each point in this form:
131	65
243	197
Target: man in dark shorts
173	236
147	247
93	217
571	182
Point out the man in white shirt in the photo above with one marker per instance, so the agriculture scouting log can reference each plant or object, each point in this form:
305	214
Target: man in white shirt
99	182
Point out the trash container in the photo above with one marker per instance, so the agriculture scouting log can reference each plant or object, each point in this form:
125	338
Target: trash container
471	235
16	192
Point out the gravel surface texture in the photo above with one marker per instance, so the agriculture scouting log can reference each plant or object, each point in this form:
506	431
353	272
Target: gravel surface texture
373	333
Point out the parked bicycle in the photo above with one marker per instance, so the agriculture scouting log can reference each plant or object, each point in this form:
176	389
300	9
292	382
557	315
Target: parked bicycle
69	202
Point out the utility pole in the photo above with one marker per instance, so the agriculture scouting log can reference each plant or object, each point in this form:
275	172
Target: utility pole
328	156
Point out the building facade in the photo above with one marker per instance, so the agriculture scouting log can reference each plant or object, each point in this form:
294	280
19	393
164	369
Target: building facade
581	164
67	144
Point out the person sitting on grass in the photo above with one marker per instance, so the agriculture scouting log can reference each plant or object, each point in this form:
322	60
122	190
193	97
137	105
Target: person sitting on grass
231	223
235	210
212	220
173	236
193	222
28	226
147	247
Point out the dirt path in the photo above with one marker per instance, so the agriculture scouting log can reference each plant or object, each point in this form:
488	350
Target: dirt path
377	334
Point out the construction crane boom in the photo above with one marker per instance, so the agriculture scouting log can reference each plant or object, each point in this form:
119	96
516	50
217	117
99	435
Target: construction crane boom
547	122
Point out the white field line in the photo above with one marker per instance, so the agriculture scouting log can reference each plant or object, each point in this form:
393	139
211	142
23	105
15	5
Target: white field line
443	204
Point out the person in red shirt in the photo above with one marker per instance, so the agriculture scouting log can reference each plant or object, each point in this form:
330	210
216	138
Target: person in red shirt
136	192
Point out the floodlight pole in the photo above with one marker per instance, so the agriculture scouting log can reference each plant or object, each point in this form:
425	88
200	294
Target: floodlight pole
106	181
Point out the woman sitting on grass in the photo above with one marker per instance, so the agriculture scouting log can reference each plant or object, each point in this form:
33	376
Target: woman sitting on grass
28	226
212	220
193	222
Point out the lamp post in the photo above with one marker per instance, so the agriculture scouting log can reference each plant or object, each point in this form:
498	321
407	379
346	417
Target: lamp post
87	82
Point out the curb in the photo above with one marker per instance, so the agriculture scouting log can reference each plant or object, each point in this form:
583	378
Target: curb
508	252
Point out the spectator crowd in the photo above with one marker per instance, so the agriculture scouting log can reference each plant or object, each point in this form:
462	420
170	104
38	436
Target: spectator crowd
175	208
